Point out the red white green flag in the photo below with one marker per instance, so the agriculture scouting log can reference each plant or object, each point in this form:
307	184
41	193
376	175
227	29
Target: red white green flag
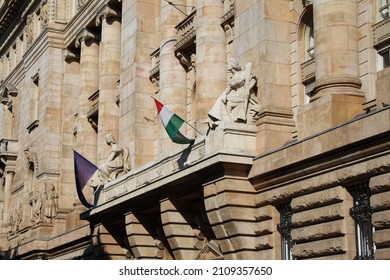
172	124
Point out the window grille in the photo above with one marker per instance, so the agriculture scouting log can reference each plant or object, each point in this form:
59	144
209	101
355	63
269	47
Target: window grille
361	212
284	228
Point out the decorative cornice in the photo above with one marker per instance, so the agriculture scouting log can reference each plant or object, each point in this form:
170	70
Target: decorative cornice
105	13
85	35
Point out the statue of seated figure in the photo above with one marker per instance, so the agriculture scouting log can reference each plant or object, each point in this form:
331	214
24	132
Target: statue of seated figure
117	163
238	103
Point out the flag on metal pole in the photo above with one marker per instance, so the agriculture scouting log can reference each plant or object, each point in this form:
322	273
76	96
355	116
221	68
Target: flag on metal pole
83	170
172	124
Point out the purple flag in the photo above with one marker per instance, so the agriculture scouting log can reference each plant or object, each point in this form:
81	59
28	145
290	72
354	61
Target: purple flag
83	171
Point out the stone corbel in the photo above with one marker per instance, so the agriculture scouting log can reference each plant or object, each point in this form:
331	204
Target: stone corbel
229	31
8	92
70	55
185	59
105	13
84	36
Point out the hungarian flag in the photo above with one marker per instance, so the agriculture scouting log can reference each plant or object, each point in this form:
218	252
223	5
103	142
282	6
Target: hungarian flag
172	124
83	170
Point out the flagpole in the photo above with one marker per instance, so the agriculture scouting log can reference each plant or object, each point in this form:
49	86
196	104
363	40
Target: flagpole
186	122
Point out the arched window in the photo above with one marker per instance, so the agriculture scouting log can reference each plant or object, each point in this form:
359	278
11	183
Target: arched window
307	45
309	38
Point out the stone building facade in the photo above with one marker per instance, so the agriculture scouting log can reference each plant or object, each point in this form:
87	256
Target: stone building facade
287	100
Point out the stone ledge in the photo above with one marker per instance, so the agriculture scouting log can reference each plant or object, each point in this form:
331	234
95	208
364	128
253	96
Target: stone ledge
326	149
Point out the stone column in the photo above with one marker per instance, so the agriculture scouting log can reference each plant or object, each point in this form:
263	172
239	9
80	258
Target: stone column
110	58
337	95
89	84
9	179
173	77
211	59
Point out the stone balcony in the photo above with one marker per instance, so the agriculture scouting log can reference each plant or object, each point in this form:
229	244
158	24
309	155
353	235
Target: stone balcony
186	32
230	143
381	33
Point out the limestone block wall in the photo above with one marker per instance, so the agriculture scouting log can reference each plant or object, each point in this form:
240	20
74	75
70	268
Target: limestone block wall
380	203
322	226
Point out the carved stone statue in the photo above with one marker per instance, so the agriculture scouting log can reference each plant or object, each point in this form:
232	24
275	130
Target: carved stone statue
37	209
117	163
238	103
51	203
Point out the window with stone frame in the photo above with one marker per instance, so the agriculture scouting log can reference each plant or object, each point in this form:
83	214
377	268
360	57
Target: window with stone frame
361	212
384	57
307	53
383	9
284	228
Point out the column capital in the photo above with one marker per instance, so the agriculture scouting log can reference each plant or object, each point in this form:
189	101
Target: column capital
105	13
85	35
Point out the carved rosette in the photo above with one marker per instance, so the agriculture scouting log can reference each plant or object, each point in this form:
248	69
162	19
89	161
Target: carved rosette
85	35
107	12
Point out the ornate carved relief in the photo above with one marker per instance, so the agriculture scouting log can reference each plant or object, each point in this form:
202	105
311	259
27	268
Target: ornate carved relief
80	3
51	203
32	157
29	30
36	205
44	14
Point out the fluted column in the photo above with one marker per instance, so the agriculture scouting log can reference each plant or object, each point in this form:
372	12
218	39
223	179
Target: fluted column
89	84
109	72
211	59
173	81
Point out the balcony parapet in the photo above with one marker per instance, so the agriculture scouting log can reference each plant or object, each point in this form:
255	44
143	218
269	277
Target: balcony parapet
381	33
185	32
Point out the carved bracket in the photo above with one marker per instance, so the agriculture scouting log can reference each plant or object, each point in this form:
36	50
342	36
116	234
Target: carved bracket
7	93
105	13
85	35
